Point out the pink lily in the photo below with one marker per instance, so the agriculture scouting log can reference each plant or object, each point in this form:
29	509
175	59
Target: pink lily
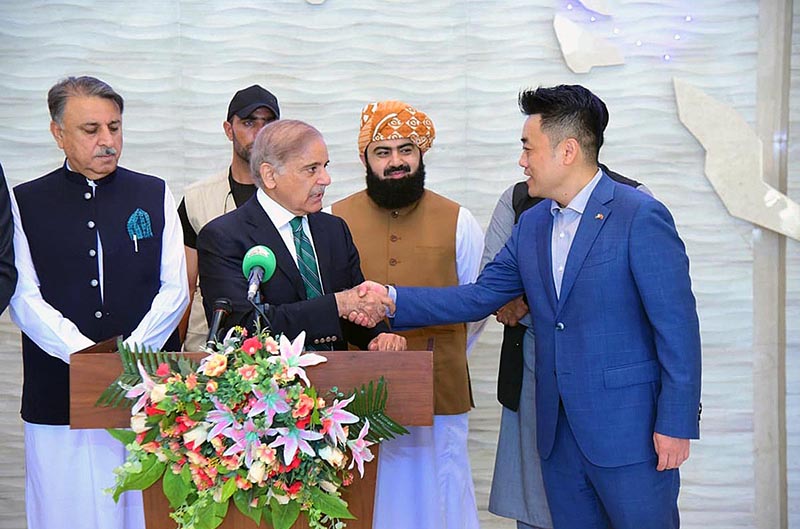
293	439
293	360
360	449
222	417
141	390
270	403
337	416
245	439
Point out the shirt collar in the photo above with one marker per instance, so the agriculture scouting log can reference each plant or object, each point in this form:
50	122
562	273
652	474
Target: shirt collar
279	215
579	201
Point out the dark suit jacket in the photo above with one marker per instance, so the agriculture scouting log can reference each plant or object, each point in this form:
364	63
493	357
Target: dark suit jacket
620	347
221	246
8	273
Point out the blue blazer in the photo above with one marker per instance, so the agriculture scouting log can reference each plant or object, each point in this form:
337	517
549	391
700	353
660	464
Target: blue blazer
221	246
620	347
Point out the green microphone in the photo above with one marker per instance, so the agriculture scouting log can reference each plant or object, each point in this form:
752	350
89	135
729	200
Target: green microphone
258	266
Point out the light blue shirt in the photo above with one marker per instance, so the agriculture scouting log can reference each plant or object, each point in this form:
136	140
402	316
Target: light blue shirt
565	224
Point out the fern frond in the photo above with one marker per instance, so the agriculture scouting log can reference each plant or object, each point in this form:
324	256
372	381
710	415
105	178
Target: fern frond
370	404
114	395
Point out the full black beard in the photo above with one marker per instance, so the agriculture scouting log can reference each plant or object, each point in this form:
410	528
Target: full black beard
395	193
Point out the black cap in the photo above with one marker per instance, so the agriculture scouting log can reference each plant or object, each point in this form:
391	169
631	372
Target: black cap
245	101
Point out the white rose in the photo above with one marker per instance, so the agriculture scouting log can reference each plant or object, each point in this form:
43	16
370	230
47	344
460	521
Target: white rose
197	435
257	471
327	486
138	422
332	455
280	498
158	393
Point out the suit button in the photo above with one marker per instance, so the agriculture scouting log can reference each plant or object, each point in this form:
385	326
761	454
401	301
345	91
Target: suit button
394	238
87	195
559	326
94	282
98	314
316	341
392	261
92	252
90	224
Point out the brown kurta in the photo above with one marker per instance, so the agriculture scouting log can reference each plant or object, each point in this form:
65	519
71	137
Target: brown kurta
416	246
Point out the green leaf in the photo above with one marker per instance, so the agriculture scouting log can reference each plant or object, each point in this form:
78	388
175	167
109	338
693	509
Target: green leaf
186	474
175	489
283	516
125	437
152	469
370	404
333	506
211	514
241	499
228	489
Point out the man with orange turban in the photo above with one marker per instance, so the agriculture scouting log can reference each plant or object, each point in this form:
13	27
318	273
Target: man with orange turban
409	235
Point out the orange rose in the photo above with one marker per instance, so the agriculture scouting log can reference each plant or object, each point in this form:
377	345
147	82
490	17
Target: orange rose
215	365
248	372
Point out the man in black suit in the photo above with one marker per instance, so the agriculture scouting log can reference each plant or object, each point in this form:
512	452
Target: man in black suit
317	262
8	274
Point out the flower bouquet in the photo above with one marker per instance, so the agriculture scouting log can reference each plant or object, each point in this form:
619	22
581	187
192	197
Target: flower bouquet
245	425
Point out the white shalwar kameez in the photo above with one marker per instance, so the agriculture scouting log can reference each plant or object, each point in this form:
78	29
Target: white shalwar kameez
67	471
425	478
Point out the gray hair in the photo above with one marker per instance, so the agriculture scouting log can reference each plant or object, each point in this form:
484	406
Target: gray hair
78	86
277	142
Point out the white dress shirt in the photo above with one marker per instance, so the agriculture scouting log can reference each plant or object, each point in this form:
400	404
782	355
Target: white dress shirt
565	224
59	336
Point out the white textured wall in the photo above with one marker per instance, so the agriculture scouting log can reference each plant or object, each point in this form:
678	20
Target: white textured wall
177	63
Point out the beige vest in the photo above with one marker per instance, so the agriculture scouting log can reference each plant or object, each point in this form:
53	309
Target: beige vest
205	200
416	246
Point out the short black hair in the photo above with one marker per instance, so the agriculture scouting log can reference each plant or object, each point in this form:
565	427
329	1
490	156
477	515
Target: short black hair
568	111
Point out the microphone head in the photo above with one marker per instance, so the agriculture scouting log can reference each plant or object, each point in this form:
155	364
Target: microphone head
259	256
223	304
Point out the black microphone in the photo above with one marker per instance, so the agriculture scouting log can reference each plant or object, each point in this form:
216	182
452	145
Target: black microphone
222	309
258	266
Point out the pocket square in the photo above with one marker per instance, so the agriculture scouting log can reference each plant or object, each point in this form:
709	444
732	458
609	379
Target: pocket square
139	225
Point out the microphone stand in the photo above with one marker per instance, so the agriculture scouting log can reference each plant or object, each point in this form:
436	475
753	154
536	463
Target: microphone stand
261	313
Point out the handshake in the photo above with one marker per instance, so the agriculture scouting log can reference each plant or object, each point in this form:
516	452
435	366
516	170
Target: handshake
366	304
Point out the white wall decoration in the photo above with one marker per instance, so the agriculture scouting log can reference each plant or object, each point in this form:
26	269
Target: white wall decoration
582	51
598	6
733	162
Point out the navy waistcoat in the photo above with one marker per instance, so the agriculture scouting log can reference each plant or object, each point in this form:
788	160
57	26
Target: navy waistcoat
61	218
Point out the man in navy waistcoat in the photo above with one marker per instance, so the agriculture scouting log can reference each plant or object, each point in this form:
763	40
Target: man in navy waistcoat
8	274
100	254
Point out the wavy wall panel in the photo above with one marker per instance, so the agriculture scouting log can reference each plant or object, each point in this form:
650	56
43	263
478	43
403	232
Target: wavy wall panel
177	62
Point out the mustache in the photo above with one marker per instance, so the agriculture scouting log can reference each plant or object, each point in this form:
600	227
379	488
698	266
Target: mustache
106	151
391	169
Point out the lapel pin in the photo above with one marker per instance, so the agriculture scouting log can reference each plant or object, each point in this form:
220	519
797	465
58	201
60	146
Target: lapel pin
599	216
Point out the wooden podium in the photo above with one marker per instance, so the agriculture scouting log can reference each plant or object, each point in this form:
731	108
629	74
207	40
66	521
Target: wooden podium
409	377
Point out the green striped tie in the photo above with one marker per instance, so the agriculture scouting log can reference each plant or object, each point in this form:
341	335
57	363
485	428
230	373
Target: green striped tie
306	262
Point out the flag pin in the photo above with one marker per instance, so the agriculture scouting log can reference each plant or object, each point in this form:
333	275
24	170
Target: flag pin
599	216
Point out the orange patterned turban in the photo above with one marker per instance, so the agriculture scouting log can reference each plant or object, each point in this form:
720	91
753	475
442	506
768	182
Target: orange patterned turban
389	120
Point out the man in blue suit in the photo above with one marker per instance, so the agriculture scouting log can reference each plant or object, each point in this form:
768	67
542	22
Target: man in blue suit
617	336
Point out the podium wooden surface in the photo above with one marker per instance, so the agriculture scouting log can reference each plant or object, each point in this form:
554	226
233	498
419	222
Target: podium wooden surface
409	377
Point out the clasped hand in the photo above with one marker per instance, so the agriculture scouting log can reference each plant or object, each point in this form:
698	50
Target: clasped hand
365	304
